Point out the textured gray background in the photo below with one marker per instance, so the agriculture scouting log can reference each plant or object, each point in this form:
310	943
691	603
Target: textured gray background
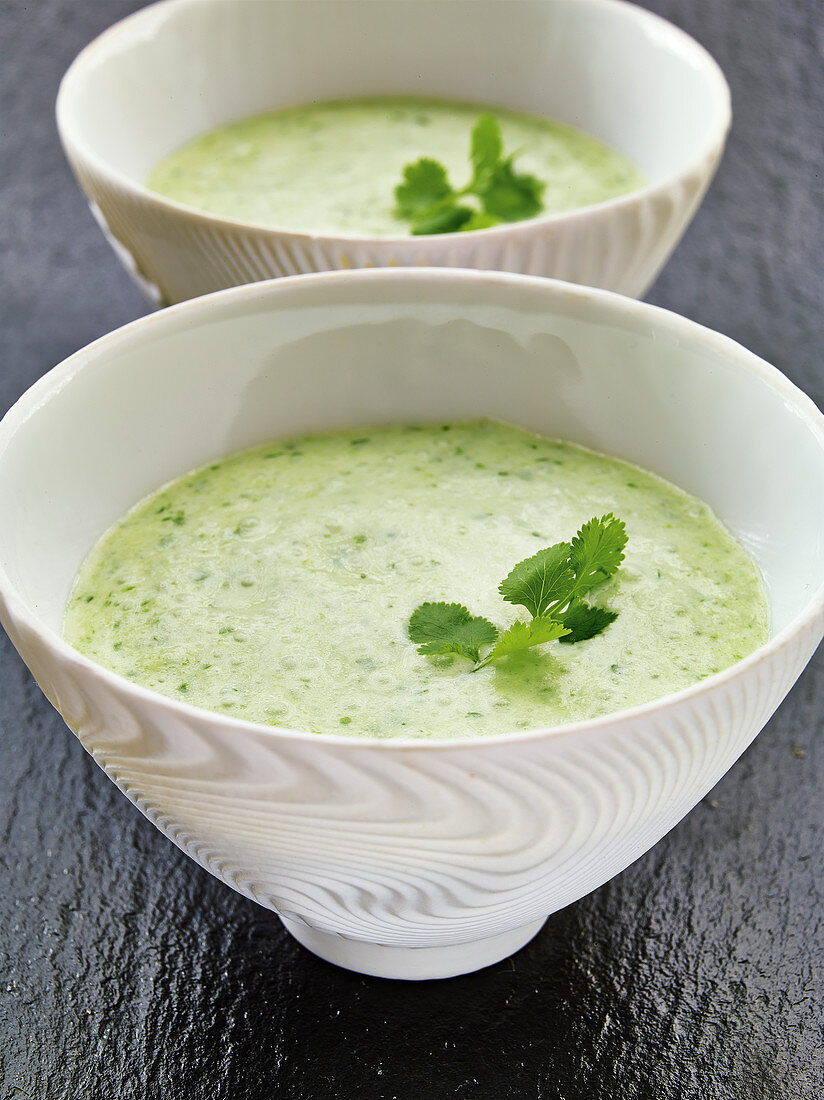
127	972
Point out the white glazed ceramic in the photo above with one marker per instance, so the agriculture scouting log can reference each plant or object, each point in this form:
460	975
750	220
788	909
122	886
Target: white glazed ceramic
408	858
182	67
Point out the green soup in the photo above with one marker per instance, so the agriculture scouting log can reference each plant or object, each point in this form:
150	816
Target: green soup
277	585
331	168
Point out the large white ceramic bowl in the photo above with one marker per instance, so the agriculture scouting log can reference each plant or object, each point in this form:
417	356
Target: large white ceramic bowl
407	858
182	67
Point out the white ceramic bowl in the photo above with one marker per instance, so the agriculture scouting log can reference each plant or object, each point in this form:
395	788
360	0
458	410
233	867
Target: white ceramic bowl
407	858
182	67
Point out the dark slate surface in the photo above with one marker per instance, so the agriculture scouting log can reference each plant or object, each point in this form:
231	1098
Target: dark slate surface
129	973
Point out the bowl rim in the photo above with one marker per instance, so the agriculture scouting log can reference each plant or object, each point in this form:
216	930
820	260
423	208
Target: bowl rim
78	149
187	314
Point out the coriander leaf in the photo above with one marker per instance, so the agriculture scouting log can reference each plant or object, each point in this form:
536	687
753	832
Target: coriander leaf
427	199
540	583
480	220
511	196
524	636
583	621
425	183
449	628
548	584
597	551
441	218
486	146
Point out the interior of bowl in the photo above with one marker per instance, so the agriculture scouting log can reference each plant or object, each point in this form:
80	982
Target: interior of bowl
182	67
177	389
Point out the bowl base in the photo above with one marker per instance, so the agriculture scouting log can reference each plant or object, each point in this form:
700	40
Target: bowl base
412	963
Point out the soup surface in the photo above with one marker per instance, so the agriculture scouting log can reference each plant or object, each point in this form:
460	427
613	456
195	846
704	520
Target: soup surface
331	168
277	584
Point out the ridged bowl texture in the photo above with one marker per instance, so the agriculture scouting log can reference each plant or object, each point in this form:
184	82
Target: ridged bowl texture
410	858
181	67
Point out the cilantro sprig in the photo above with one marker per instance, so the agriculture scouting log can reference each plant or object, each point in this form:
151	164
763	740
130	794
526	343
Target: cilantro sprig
449	628
550	585
496	192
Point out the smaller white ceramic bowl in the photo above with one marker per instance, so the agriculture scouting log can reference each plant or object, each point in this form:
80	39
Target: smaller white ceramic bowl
411	858
182	67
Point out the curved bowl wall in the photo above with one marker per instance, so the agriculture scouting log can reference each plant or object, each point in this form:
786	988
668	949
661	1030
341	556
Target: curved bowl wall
182	67
410	858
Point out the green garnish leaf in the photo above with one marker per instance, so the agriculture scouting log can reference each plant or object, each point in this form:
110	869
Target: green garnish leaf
479	221
540	583
525	635
498	193
450	628
425	184
597	551
583	622
548	584
512	196
447	219
486	148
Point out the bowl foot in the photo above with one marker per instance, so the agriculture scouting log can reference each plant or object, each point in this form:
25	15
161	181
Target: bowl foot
412	963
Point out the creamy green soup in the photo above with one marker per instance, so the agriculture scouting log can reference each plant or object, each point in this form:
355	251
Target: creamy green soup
277	584
331	168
